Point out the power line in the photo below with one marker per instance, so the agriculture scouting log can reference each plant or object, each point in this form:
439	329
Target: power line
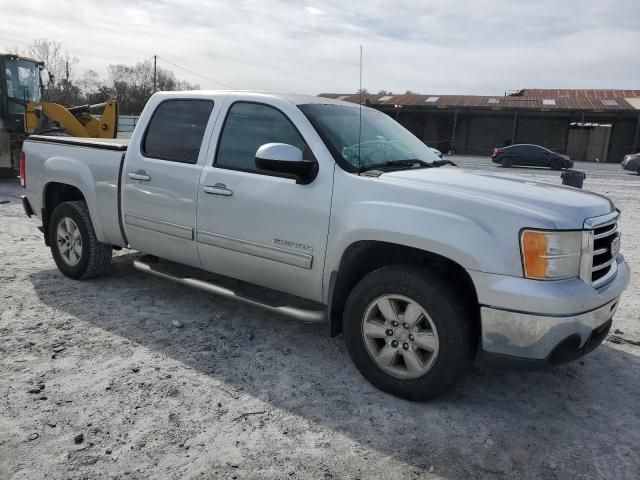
193	73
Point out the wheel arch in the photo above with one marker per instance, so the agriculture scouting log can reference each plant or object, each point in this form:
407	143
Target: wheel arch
365	256
55	193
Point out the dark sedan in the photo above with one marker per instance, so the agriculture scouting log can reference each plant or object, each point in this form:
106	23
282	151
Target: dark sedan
531	156
632	162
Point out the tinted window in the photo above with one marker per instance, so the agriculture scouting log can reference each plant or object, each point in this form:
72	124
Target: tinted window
250	125
176	129
535	151
528	150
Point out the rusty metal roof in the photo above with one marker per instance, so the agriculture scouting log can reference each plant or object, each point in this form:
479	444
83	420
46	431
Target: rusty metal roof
578	93
528	99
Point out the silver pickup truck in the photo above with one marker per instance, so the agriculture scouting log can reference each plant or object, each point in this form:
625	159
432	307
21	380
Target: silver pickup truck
423	267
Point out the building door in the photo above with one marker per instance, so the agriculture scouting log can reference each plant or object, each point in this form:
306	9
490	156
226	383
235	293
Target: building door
589	143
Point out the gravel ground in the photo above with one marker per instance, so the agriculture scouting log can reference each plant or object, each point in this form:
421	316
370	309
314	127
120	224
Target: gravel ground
128	376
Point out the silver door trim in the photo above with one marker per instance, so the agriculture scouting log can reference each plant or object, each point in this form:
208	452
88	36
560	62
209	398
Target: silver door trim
159	226
297	259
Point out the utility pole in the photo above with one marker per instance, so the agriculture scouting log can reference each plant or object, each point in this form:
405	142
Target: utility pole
66	83
155	59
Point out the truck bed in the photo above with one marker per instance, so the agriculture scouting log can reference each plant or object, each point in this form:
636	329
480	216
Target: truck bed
119	144
91	165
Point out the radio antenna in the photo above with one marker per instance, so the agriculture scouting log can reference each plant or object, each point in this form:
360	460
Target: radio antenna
360	113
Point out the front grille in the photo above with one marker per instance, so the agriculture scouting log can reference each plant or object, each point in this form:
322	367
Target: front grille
603	261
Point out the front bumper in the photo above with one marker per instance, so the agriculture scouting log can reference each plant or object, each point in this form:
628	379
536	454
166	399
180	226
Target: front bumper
519	337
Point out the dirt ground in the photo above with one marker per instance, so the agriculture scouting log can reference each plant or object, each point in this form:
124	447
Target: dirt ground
129	376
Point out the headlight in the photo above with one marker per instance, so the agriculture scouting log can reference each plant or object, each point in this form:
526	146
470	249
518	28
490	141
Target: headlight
550	255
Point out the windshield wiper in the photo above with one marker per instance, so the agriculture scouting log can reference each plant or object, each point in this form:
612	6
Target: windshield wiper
396	163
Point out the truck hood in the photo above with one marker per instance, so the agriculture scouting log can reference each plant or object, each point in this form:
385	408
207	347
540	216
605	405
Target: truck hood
564	207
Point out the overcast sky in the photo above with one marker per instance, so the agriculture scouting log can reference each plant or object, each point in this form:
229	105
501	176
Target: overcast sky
439	47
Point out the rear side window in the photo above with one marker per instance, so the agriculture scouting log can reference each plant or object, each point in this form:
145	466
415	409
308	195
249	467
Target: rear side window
247	127
176	130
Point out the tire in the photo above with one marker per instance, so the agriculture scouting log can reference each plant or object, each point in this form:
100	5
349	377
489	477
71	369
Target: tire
556	164
506	162
638	170
87	257
450	332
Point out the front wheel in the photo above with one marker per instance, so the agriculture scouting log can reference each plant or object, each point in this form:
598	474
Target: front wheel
74	245
506	162
408	332
556	164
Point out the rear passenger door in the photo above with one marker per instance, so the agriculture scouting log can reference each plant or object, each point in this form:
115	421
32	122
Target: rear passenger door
161	176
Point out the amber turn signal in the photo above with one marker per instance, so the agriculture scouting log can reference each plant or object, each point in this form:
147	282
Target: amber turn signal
534	253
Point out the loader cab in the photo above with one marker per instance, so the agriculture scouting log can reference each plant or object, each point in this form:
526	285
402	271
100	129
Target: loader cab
20	83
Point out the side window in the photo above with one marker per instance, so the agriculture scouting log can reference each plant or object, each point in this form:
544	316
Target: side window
517	150
176	130
536	152
247	127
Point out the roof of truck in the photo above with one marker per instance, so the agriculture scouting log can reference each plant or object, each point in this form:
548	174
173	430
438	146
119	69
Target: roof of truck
295	98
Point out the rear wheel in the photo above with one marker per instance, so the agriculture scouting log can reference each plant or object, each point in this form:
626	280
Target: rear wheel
74	245
506	162
407	332
556	164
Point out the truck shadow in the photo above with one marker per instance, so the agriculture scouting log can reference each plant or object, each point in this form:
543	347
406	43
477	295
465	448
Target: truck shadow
579	420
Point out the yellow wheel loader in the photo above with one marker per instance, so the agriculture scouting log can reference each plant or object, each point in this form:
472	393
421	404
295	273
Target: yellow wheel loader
22	111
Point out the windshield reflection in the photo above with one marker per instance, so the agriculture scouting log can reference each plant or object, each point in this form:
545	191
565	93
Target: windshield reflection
375	140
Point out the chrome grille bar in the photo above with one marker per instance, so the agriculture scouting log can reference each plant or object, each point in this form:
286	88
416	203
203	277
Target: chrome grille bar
607	233
602	264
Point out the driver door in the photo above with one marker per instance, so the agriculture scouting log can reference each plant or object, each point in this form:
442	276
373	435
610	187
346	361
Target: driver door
255	225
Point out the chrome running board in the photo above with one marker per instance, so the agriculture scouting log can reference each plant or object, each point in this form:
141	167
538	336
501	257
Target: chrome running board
304	315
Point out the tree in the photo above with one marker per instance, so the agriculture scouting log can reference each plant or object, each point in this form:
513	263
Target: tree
15	50
90	81
60	64
130	85
133	85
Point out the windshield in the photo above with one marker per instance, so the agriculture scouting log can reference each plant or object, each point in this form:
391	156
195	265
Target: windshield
23	80
380	139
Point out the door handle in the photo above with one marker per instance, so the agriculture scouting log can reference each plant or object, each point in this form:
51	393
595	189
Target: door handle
218	189
139	175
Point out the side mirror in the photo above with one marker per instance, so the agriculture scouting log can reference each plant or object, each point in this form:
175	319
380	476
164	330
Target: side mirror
46	78
285	158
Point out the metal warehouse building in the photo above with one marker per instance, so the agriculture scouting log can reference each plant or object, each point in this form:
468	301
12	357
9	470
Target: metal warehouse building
591	125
